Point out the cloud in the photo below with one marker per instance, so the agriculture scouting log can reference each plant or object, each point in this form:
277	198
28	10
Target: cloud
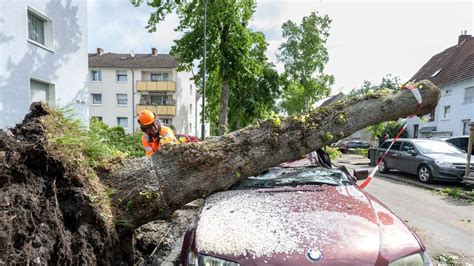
368	38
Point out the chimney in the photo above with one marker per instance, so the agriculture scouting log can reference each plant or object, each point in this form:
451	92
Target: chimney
100	51
464	36
154	52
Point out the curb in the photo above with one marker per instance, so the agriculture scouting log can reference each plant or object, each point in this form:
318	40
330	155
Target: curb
420	185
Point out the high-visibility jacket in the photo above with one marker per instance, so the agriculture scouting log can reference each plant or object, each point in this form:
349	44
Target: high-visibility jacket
151	145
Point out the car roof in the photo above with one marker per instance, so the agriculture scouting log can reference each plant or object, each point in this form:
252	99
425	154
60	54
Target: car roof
414	140
457	137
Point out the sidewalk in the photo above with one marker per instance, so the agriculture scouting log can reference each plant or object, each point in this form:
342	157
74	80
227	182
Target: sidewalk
353	159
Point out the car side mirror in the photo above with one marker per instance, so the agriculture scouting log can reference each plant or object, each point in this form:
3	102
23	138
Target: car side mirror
361	174
412	152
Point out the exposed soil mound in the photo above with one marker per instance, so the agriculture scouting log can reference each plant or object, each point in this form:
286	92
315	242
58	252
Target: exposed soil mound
47	215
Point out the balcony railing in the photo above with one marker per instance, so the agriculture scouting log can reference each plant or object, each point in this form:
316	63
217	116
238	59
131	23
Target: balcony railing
156	86
158	109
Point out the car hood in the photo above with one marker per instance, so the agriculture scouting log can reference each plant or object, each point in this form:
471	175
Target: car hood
449	157
280	226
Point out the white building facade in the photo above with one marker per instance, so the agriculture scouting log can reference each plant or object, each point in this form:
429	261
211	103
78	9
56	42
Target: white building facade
43	57
453	72
122	85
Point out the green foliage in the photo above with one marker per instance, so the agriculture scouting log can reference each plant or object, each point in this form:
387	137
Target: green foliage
116	140
387	82
391	128
376	130
304	55
333	152
236	63
96	146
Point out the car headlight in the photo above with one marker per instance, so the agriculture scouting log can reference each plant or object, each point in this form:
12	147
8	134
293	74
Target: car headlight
202	260
444	164
415	259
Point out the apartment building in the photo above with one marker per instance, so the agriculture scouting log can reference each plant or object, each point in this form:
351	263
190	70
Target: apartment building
452	70
122	85
43	57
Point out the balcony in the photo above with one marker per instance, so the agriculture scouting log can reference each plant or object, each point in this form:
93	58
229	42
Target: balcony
156	86
158	109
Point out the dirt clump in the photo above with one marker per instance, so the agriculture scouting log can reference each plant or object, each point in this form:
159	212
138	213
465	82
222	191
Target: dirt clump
47	215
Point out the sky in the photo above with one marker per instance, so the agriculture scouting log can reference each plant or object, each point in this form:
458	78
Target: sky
368	40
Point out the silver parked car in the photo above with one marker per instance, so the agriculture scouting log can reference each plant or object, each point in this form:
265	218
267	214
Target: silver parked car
430	159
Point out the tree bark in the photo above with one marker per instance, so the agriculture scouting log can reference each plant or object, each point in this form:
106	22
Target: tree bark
152	188
224	103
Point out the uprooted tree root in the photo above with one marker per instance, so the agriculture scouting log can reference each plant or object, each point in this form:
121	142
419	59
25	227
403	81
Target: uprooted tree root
48	213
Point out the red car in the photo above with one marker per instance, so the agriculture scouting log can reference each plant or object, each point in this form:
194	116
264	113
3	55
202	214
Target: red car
300	216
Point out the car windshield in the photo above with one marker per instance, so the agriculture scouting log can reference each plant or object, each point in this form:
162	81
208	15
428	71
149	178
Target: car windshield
436	147
295	177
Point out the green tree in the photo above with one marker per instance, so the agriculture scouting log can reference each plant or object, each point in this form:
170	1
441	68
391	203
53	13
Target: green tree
230	45
304	56
388	82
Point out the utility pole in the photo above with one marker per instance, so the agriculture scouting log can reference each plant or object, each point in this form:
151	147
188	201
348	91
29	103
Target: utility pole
203	125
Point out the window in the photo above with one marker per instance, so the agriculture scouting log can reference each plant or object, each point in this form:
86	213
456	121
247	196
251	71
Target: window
122	122
121	75
465	126
448	91
36	28
96	75
122	99
469	95
96	98
408	147
165	121
446	111
191	108
432	116
159	77
98	118
41	92
415	131
191	89
396	146
40	29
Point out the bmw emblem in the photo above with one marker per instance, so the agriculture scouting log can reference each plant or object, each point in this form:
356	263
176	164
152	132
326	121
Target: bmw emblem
314	255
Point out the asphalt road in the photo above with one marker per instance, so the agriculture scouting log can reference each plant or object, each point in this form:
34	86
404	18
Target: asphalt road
445	225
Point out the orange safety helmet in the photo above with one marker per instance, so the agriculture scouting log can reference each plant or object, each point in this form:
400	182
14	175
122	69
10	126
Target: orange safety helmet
146	118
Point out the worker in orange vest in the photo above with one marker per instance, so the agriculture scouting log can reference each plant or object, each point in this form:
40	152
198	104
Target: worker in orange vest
156	134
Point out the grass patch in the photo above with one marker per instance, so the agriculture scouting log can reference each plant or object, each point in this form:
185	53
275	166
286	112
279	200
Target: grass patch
362	151
444	258
96	146
458	193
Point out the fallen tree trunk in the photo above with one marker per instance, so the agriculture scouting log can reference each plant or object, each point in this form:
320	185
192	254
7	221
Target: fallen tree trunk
148	189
